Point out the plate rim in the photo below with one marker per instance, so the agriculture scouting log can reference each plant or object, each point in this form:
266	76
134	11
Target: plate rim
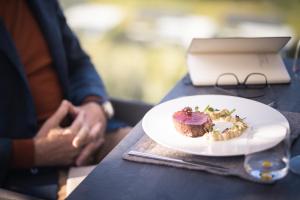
208	95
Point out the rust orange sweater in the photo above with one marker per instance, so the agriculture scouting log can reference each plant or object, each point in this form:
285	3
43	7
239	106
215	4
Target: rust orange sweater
36	59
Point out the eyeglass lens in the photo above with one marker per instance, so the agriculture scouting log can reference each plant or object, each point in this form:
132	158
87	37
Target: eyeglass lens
256	81
227	80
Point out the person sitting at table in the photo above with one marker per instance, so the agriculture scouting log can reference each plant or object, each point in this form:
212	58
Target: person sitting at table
54	106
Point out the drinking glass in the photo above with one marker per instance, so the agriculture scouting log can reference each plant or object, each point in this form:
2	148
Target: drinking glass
271	164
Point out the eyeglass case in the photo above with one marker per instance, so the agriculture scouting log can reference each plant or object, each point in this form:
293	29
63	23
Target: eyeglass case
207	59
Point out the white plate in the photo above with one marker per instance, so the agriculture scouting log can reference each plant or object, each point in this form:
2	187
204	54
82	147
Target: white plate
267	126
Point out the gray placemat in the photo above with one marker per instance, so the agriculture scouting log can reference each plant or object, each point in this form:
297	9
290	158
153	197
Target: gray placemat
233	165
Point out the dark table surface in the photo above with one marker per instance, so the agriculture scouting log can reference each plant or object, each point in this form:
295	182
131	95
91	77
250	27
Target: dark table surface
115	178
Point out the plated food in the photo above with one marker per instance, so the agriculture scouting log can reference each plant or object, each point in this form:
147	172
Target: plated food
264	125
194	123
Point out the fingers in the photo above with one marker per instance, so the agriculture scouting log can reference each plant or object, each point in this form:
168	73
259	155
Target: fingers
54	132
74	111
86	135
64	108
76	125
95	131
56	149
88	151
82	136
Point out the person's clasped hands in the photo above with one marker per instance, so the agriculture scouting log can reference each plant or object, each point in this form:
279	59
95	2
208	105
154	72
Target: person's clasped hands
73	145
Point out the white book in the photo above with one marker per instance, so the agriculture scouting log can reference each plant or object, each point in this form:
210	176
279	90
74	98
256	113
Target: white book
207	59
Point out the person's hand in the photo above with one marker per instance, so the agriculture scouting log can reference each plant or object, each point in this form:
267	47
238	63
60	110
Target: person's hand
53	144
91	135
55	149
57	118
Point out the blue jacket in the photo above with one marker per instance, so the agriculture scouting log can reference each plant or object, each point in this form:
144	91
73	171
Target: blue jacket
76	73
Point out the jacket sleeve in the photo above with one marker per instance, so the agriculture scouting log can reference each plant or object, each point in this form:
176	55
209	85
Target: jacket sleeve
5	154
84	79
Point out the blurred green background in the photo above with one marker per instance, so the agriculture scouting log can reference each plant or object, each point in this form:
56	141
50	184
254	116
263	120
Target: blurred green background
139	46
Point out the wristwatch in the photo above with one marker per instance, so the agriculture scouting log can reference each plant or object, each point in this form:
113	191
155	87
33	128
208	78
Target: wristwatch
105	105
108	109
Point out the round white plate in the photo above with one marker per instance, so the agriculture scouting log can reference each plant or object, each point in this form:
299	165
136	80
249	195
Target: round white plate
267	126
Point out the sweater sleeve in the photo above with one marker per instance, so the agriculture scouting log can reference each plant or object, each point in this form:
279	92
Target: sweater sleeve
22	153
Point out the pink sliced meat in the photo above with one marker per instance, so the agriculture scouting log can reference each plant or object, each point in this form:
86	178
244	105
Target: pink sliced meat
192	124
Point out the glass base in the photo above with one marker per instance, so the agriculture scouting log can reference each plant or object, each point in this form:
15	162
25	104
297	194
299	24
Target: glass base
295	164
266	168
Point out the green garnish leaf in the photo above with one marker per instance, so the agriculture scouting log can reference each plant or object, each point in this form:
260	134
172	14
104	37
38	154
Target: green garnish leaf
232	111
210	109
206	108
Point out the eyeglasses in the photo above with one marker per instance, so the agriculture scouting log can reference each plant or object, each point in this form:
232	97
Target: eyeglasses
248	88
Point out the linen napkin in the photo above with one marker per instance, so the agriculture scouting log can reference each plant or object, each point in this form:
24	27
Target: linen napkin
227	165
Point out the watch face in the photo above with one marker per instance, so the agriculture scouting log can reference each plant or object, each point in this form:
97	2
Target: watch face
108	109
